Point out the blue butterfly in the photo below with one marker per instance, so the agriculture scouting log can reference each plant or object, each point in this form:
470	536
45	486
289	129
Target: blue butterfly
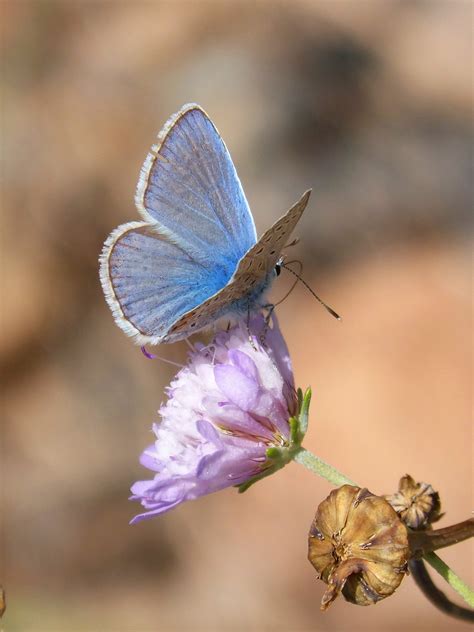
195	256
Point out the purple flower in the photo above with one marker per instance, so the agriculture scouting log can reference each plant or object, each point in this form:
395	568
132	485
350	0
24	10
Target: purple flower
227	410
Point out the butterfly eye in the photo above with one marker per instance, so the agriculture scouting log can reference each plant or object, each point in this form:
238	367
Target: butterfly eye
277	269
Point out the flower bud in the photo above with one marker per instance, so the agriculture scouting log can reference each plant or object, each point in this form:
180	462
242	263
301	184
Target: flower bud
417	504
358	545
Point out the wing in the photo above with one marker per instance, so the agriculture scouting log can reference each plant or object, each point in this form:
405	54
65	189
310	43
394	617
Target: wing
263	256
189	186
251	277
149	282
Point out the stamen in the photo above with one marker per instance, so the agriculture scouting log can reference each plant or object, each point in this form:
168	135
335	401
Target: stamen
152	356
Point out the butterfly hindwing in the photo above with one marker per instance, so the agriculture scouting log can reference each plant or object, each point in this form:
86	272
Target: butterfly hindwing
149	281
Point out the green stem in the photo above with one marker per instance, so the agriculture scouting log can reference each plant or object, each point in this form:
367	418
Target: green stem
316	465
453	580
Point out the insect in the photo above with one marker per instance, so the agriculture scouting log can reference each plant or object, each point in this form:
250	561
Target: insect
194	257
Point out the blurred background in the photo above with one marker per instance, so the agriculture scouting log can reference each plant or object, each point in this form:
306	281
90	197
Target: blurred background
368	103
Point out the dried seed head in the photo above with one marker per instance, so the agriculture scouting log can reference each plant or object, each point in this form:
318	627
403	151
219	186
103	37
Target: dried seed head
417	504
358	545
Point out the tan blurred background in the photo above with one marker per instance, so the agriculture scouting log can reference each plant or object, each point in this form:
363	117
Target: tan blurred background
368	103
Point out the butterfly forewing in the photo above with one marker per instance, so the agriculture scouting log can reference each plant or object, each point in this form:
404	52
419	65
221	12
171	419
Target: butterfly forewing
263	256
189	185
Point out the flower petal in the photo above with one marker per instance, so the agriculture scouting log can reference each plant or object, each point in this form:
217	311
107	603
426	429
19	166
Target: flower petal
245	363
236	386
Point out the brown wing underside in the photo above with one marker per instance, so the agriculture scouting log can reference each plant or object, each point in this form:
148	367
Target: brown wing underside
262	257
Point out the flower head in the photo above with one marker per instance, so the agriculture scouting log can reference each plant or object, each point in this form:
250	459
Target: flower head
417	504
358	545
226	419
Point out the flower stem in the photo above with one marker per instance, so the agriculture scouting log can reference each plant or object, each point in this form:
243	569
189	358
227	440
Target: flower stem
316	465
422	542
437	597
453	580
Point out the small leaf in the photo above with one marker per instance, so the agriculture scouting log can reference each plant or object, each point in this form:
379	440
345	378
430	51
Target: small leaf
299	395
295	438
244	486
304	412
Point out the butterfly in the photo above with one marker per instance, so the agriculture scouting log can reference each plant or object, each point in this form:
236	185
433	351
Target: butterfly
194	257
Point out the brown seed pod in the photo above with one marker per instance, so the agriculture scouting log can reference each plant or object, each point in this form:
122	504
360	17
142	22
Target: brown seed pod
417	504
358	545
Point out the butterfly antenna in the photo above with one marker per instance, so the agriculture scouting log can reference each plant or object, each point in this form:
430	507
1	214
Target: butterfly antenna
294	284
299	278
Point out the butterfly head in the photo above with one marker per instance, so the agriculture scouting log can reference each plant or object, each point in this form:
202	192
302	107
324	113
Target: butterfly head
278	266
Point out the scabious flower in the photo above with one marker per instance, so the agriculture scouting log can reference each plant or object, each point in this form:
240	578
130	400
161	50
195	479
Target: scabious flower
226	420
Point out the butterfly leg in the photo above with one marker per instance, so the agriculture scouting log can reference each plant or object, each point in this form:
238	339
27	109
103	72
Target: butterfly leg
249	333
270	307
